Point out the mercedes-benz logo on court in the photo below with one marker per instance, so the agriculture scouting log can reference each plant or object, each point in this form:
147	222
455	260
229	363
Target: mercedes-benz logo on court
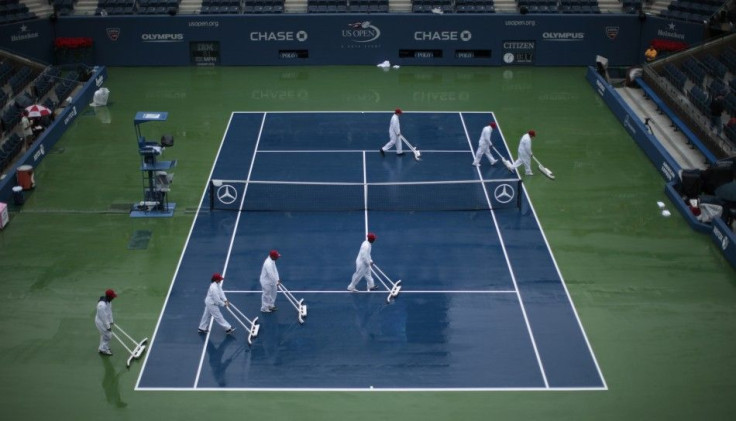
227	194
504	193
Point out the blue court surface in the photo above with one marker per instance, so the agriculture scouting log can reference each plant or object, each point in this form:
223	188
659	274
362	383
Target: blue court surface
483	305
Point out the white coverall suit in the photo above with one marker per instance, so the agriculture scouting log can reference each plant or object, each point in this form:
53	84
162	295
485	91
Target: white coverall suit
484	146
525	154
104	321
363	267
269	281
394	132
212	302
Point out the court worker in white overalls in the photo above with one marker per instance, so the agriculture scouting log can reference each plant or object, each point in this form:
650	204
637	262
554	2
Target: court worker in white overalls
363	264
104	321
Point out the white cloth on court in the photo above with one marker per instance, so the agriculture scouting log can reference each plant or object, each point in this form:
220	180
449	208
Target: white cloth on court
394	133
100	97
104	321
269	281
484	146
363	266
212	302
525	154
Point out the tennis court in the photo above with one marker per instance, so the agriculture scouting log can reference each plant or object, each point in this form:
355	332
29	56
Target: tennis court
483	305
654	297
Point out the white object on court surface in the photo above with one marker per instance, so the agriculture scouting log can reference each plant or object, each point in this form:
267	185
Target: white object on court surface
252	327
543	169
666	213
505	161
137	350
417	153
301	308
395	286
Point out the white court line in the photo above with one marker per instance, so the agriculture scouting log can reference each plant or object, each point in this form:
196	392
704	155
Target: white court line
168	295
353	151
403	291
232	240
365	193
508	262
181	257
367	389
559	274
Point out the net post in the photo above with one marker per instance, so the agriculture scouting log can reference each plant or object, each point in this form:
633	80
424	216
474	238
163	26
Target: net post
212	195
214	184
518	194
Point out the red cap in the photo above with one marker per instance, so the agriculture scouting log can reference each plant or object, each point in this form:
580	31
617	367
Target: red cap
371	237
398	111
493	124
532	133
274	254
216	277
110	294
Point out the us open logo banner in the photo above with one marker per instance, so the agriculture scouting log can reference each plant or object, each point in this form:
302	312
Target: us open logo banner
612	32
113	33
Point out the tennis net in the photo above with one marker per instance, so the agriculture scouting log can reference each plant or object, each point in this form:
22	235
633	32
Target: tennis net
240	195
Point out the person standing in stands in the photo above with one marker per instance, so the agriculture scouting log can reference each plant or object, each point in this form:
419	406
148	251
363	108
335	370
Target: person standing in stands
650	54
525	152
27	128
716	110
394	132
212	302
104	321
484	145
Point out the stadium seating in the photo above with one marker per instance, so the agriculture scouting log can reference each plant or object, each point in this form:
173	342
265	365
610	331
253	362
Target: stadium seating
579	6
694	71
9	149
115	7
66	85
327	6
10	117
717	87
14	11
692	11
157	7
699	99
220	7
20	79
730	132
63	7
474	6
369	6
728	57
46	81
675	76
632	5
432	6
263	6
729	103
714	67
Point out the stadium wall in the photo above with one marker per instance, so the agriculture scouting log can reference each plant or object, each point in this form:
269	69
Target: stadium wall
35	154
352	39
719	232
